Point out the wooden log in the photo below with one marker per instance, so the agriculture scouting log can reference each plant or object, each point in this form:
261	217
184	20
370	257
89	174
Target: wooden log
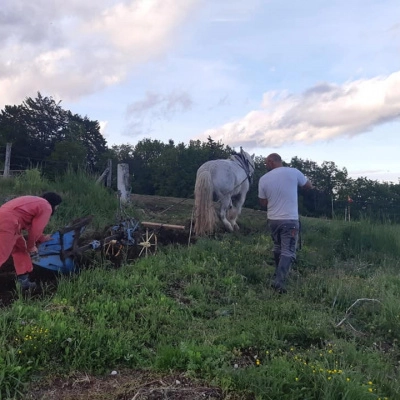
161	225
103	175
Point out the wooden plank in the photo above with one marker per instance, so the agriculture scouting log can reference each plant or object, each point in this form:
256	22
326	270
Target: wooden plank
161	225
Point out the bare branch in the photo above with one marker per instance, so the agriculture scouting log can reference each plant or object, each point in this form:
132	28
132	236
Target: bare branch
348	310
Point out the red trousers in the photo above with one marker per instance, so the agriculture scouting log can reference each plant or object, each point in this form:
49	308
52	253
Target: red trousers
13	243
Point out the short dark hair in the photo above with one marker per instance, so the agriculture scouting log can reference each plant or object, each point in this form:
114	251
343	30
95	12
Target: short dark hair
275	157
53	198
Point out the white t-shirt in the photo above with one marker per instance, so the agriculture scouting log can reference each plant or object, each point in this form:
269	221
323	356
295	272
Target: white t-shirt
279	187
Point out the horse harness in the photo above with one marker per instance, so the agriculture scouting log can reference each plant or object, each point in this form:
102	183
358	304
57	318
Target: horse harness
245	164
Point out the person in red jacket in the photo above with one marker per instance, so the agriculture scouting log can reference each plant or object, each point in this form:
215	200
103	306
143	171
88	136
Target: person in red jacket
30	214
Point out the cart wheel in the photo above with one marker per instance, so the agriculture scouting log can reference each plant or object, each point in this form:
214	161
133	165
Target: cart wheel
148	243
115	252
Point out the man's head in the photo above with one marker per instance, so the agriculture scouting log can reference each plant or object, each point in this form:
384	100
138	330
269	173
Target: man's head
273	161
54	200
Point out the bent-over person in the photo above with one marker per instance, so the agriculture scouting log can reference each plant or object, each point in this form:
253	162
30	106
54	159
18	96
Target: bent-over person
30	214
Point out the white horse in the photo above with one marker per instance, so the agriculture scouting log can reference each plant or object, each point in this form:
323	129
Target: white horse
226	181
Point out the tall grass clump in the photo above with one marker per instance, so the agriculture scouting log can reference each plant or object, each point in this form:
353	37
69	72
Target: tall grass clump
368	239
30	182
82	196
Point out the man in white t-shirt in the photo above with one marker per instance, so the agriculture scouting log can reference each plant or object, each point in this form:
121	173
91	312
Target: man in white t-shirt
277	191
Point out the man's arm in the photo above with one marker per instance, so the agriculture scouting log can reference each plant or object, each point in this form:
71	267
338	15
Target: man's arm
263	202
308	185
39	222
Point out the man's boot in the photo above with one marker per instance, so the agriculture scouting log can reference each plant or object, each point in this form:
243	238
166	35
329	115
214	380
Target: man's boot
281	274
25	283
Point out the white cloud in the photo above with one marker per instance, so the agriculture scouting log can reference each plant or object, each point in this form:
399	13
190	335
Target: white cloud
140	27
71	49
154	107
103	128
324	112
167	103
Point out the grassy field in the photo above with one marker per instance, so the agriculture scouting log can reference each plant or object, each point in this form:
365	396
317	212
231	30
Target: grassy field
200	320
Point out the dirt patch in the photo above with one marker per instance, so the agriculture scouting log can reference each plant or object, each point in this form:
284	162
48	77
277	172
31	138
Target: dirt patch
128	385
173	210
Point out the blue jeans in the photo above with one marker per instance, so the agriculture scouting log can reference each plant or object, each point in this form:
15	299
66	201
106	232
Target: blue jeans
284	234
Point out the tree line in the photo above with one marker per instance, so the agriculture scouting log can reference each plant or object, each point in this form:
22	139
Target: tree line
45	135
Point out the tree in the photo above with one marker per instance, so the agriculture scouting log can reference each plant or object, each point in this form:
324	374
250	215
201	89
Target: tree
69	153
87	133
167	169
37	125
329	181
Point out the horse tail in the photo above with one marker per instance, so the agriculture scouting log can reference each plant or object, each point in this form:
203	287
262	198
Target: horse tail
204	215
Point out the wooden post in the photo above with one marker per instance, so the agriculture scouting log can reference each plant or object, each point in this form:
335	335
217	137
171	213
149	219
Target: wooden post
109	176
102	176
6	172
123	182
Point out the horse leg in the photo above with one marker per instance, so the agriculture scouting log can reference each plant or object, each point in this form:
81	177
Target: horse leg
226	205
232	217
237	203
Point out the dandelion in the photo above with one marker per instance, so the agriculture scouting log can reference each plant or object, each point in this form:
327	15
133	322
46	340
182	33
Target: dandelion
258	362
297	379
370	390
370	383
348	379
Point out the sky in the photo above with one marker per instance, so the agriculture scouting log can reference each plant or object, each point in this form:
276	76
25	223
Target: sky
315	79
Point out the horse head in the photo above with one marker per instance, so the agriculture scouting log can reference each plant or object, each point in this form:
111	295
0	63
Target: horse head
249	159
246	161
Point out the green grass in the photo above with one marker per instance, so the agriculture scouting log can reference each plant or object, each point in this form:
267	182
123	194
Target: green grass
208	311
